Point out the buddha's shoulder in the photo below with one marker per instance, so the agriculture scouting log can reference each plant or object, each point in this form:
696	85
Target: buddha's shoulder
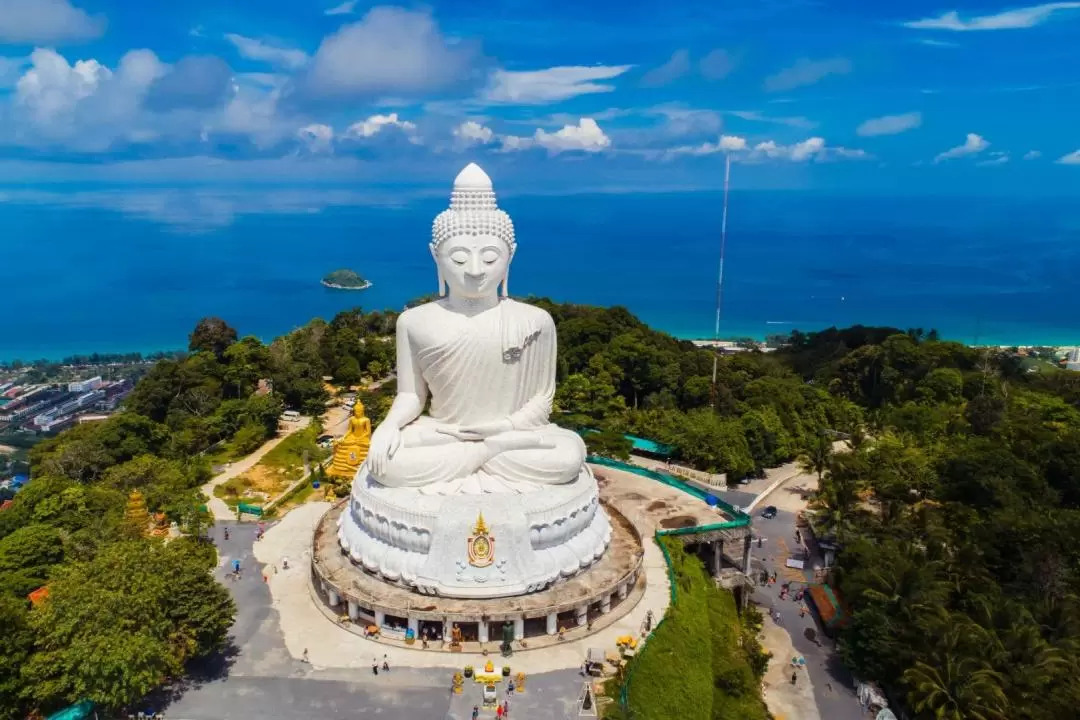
420	314
538	316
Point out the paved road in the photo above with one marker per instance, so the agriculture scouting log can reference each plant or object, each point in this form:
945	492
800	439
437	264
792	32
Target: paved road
833	688
260	681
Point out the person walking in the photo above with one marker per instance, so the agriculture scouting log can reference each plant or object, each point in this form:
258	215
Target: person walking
499	712
794	677
475	712
385	663
236	567
374	666
305	657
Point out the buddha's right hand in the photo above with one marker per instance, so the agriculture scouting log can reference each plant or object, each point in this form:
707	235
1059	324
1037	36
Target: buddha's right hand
385	441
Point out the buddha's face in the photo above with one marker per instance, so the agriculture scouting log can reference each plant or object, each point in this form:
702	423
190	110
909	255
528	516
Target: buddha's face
473	265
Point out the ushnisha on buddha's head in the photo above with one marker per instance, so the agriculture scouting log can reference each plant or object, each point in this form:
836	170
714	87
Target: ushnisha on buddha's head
473	241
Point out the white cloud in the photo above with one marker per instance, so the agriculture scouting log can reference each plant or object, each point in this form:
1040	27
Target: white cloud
537	87
46	22
890	124
996	158
1032	155
10	70
755	116
375	124
345	8
686	121
317	138
732	143
260	51
726	143
973	145
390	50
85	102
1072	158
253	112
585	136
1008	20
471	132
798	152
806	72
811	149
669	72
717	65
937	43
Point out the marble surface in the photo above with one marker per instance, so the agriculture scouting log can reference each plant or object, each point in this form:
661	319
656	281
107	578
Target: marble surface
483	367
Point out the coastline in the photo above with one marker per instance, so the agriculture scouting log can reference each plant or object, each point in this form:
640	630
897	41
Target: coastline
335	286
729	341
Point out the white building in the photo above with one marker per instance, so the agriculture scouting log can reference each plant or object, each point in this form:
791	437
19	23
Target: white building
1072	359
83	386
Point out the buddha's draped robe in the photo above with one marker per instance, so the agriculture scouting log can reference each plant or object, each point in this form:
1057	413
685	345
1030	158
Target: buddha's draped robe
501	365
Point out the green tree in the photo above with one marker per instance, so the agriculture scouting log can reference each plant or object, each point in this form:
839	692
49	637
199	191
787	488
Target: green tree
115	627
608	443
16	646
211	335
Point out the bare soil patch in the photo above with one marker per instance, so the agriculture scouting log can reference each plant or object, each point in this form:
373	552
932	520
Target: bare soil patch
678	521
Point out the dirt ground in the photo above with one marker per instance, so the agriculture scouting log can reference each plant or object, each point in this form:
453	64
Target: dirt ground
784	700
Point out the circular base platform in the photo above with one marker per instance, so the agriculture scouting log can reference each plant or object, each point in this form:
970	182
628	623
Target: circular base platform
596	597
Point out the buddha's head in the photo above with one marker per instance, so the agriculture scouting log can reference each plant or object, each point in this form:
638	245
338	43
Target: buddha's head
473	241
358	409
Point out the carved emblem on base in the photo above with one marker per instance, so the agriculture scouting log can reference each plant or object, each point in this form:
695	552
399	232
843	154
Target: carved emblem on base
481	544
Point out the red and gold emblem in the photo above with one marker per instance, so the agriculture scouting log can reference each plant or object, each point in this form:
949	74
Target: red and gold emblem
481	544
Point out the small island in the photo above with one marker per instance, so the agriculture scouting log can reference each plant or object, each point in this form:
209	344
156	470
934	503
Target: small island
345	280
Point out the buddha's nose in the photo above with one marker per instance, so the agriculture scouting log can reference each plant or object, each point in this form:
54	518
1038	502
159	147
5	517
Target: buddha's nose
474	270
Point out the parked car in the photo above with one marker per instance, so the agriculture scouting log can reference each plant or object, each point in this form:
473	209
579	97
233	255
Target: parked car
769	513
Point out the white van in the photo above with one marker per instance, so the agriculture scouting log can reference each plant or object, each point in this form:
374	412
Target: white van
290	416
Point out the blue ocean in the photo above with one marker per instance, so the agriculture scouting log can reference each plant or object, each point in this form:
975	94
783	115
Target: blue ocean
133	270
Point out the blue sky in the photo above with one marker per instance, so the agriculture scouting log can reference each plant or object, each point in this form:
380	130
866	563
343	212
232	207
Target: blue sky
836	95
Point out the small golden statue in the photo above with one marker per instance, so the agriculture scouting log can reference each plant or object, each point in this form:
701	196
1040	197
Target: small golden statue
352	449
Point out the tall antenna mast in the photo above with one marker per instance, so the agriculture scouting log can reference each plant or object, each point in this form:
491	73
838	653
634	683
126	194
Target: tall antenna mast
720	276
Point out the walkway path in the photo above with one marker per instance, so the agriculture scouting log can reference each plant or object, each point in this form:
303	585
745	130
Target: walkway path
218	508
260	678
331	646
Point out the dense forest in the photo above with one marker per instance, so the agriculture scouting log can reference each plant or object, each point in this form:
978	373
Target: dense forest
955	509
958	522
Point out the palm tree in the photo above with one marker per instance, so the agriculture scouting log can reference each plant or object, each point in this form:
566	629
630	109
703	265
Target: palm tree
816	461
954	685
909	587
838	495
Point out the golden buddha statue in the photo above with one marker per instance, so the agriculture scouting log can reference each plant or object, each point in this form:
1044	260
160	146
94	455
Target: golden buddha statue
352	449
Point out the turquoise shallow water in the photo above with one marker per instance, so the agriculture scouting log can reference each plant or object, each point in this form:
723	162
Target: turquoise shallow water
122	271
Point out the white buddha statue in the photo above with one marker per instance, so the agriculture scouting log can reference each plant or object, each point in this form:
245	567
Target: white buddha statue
486	448
487	362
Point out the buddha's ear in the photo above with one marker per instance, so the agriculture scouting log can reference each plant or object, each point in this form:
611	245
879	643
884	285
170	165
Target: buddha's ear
506	284
435	257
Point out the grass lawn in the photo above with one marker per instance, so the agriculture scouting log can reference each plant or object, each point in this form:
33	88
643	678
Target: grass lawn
695	666
289	454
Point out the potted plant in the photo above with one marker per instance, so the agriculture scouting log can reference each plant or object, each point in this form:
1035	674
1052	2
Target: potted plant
506	671
468	671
